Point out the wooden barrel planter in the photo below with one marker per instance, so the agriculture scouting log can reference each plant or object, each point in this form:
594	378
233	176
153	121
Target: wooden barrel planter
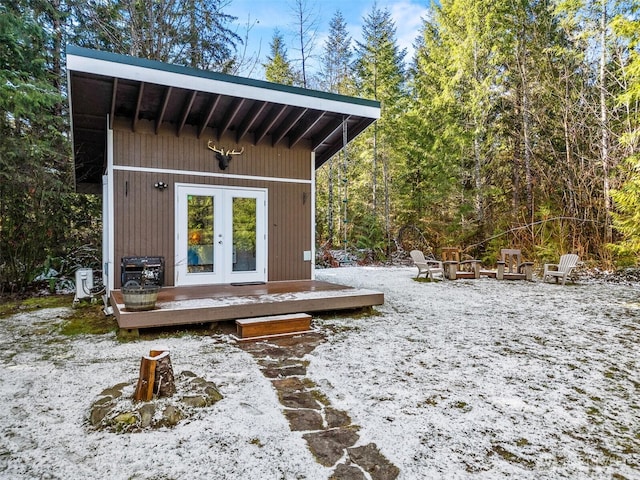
140	297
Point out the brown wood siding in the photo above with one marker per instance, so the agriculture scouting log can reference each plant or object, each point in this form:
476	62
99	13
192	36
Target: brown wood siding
144	221
190	153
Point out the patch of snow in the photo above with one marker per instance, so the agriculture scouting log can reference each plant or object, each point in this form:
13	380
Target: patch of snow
470	378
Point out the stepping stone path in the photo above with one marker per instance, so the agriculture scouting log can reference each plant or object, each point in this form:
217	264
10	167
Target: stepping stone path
329	433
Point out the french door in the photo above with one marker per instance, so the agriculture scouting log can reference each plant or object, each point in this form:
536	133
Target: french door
220	235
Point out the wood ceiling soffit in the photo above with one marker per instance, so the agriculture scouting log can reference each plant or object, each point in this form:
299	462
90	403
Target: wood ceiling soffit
215	99
185	111
288	124
134	122
355	130
231	115
304	130
112	110
96	131
266	126
328	131
163	108
250	118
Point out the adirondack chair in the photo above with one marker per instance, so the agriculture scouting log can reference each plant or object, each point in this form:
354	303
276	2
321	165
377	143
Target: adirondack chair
511	266
561	270
455	268
428	267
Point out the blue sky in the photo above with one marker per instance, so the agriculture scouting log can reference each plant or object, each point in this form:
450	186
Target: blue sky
272	14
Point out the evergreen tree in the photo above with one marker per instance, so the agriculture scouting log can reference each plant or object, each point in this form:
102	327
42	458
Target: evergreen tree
380	75
335	73
335	76
34	167
194	33
626	217
278	68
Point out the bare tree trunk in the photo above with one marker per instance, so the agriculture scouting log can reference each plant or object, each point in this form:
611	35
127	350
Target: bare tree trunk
330	202
477	161
374	173
604	140
57	51
477	148
387	204
306	24
521	58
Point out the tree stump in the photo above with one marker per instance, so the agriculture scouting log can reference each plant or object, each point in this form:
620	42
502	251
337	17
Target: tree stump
156	376
164	384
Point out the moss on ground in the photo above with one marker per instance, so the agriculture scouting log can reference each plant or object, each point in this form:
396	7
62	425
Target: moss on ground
29	304
85	318
88	319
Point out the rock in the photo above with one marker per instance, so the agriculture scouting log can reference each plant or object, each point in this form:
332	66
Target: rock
171	416
328	446
115	391
196	393
347	472
336	418
126	418
299	400
212	393
103	402
98	413
146	412
303	420
373	462
195	401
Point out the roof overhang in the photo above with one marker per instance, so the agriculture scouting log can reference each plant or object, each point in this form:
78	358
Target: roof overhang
105	86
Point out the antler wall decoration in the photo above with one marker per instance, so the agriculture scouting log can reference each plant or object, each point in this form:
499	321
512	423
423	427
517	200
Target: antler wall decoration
223	157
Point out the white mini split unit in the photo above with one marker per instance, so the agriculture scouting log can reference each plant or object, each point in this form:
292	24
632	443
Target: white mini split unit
84	283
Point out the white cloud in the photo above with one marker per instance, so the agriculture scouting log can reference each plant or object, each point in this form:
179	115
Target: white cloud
408	17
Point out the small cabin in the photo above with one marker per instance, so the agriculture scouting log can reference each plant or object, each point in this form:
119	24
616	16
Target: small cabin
206	176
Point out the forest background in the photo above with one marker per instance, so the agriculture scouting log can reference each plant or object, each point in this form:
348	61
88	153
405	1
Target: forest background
513	124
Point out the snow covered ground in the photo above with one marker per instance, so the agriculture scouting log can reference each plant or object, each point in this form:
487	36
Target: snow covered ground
465	379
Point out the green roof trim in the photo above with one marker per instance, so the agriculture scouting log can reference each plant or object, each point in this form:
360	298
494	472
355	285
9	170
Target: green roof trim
221	77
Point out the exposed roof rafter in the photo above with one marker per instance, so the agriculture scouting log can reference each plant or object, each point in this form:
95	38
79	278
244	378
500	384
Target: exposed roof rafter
287	124
276	113
230	117
185	113
250	120
298	135
213	104
328	131
136	113
112	109
163	108
131	91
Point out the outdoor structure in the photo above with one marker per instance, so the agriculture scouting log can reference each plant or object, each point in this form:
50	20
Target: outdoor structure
210	177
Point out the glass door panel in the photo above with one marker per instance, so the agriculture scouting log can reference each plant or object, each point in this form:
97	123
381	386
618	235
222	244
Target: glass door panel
220	235
200	234
244	234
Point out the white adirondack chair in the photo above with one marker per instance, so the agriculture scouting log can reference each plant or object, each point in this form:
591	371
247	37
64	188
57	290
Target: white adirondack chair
561	270
428	267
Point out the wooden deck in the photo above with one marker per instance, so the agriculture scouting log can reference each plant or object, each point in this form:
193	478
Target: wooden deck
214	303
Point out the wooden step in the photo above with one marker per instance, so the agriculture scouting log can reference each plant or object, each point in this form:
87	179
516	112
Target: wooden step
273	325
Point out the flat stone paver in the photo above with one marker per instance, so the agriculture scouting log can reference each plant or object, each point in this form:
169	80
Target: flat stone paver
371	460
304	420
347	472
328	446
330	434
336	418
